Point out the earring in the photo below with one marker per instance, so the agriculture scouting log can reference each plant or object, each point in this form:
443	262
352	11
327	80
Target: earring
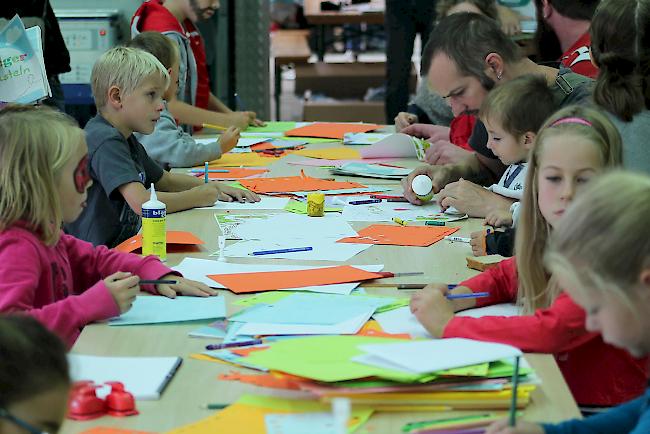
499	75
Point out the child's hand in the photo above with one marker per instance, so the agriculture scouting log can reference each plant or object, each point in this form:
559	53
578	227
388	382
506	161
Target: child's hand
239	120
232	194
184	287
252	116
205	194
123	287
477	241
229	139
404	119
432	309
502	427
499	218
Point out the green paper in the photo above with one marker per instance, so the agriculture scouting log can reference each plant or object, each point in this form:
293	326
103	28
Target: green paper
502	368
327	358
298	207
480	370
273	127
263	297
401	302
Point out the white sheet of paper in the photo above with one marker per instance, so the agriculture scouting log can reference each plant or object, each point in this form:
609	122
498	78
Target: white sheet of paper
422	357
401	320
160	309
198	269
144	377
385	211
290	226
266	202
348	327
205	141
397	145
323	250
506	309
247	142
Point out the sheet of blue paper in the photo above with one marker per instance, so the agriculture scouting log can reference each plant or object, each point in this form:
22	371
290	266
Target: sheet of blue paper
311	308
159	309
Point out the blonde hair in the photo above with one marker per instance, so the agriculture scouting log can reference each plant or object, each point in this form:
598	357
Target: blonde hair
536	288
582	247
35	144
125	68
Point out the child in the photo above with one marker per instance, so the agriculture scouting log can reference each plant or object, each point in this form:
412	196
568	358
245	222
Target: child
175	19
168	144
512	114
571	148
609	276
63	282
621	49
34	377
127	85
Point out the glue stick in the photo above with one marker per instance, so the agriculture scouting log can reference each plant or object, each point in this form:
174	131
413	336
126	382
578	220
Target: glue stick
154	234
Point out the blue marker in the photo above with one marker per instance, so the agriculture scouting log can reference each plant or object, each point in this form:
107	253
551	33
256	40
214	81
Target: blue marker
207	171
472	295
364	202
238	102
273	252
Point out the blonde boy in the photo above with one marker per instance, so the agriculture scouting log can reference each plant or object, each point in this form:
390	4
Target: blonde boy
169	144
128	85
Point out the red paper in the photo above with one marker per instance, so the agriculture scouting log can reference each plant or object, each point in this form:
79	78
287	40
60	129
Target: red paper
419	236
272	280
329	130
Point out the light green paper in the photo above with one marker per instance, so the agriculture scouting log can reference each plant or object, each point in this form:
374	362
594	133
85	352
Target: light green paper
502	368
298	207
263	297
273	127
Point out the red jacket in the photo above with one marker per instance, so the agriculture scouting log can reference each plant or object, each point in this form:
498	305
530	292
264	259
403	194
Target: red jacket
577	57
597	373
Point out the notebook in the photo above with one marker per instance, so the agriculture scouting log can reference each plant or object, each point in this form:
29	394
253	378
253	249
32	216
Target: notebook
144	377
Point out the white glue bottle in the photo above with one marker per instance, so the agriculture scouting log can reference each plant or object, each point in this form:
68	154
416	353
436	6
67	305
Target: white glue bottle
154	232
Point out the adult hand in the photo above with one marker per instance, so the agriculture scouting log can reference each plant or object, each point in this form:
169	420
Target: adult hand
503	427
445	152
184	287
430	133
471	199
403	120
439	175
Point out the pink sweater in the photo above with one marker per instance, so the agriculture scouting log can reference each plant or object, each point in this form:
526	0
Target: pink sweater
62	285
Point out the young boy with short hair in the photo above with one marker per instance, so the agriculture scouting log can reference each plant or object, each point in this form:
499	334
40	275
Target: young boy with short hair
169	144
128	84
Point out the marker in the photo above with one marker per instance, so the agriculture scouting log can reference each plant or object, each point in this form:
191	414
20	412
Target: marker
399	221
484	242
210	171
214	127
233	344
458	239
238	102
158	282
472	295
364	202
207	172
434	223
290	250
214	406
513	402
417	426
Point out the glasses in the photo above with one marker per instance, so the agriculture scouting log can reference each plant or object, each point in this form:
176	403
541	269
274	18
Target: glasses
31	429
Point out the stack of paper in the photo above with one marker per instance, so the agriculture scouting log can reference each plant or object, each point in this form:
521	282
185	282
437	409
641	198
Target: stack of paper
371	171
396	146
363	138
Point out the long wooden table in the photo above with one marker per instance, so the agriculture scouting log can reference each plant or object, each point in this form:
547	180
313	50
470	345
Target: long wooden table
196	382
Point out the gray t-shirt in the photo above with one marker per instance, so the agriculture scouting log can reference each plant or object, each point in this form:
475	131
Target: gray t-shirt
636	148
114	161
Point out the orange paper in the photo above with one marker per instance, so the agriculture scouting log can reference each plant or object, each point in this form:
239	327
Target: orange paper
272	280
419	236
295	183
271	380
110	430
173	237
329	130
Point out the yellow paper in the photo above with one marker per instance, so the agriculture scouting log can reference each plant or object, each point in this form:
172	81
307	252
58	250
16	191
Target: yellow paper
338	153
247	159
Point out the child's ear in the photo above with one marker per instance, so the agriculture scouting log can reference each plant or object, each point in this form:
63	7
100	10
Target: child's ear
115	97
529	139
644	277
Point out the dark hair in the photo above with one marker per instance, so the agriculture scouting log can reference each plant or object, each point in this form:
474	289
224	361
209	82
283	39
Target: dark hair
547	43
157	44
520	105
32	359
574	9
620	46
467	39
487	7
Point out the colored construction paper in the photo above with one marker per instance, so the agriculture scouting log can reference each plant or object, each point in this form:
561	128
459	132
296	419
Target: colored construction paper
420	236
233	174
397	145
272	127
263	297
322	249
348	327
111	430
298	207
248	159
321	162
159	309
338	153
329	130
311	140
269	281
294	183
173	237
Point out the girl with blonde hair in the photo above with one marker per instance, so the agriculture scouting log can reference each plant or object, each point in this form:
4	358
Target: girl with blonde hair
608	275
573	146
63	282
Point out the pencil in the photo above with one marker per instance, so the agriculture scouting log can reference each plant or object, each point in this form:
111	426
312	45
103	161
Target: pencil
157	282
214	127
513	402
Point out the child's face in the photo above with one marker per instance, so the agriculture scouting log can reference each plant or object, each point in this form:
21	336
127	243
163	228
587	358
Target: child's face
566	163
44	411
73	184
199	10
173	82
508	148
622	324
141	108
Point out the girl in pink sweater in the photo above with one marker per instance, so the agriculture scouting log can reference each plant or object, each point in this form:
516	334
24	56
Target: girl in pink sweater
63	282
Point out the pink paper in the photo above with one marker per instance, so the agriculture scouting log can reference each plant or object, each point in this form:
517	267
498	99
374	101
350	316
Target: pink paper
318	162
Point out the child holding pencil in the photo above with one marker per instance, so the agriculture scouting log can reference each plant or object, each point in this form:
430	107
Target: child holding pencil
169	144
63	282
572	147
128	85
609	277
